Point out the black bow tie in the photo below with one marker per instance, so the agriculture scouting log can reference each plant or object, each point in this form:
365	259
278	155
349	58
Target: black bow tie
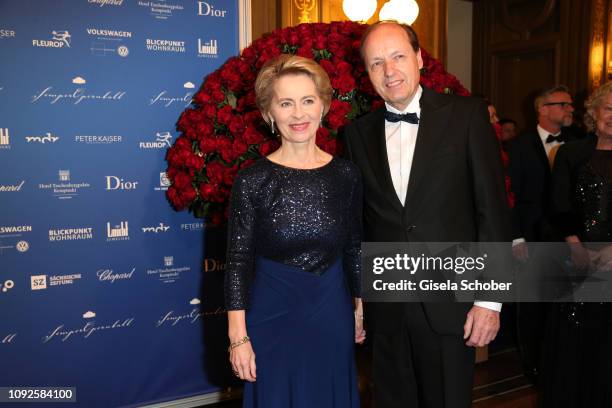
410	117
559	138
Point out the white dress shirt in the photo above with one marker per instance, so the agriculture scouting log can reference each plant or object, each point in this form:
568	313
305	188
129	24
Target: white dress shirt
401	140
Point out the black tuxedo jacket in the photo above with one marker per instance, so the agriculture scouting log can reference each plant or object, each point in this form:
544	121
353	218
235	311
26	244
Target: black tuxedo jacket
455	193
530	178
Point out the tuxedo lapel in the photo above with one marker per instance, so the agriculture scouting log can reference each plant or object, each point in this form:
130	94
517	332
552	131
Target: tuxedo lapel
435	113
539	149
376	147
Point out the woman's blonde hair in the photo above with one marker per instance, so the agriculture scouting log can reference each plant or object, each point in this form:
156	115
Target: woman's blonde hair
286	64
594	101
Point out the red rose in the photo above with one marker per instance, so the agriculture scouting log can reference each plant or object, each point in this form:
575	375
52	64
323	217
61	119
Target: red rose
239	147
224	115
218	96
207	191
236	125
210	111
322	136
214	172
252	136
344	83
204	129
208	145
181	180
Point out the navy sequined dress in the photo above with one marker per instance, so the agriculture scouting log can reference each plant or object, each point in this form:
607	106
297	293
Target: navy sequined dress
294	265
577	363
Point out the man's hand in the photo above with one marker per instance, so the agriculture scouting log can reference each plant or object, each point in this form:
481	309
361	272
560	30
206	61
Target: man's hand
481	326
520	251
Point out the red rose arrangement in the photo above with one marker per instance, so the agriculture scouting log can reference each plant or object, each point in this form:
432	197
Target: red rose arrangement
223	131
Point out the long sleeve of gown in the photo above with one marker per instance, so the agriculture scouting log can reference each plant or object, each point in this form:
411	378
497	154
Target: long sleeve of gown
352	251
240	247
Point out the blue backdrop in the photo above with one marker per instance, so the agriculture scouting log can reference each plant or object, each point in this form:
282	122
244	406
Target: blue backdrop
103	287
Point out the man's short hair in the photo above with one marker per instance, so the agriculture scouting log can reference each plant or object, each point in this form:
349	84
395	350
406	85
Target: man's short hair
539	100
412	35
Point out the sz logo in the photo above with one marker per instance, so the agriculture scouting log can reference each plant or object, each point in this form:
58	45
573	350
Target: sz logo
38	282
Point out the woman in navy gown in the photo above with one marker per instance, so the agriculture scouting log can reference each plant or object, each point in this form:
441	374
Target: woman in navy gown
292	285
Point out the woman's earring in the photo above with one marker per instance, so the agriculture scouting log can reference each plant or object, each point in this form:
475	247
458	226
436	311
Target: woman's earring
321	121
272	124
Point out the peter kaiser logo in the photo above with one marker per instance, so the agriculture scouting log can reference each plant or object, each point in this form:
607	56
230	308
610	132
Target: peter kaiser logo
59	39
207	9
5	33
76	96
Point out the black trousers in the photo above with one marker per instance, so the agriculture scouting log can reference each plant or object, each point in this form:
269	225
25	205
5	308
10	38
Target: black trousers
417	368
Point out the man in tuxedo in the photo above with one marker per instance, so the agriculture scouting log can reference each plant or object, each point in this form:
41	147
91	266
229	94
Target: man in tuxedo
432	172
531	157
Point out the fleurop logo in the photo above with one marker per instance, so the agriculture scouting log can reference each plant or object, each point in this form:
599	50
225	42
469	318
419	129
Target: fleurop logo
76	96
207	9
59	39
162	141
208	49
119	232
5	140
47	138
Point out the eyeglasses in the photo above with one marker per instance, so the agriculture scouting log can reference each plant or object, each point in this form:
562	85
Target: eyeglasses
562	104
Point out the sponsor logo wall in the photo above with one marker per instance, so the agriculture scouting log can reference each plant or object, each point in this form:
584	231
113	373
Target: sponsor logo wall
91	92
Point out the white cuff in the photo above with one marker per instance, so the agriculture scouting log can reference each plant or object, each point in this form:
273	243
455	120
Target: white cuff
495	306
517	241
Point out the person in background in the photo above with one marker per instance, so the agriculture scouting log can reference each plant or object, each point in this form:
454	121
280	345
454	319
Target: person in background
509	129
577	369
531	155
292	284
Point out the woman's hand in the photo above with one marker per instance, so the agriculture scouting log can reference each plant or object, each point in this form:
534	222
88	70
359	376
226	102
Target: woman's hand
242	358
360	333
580	255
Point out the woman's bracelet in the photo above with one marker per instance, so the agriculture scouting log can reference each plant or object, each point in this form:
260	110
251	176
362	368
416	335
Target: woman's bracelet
240	342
